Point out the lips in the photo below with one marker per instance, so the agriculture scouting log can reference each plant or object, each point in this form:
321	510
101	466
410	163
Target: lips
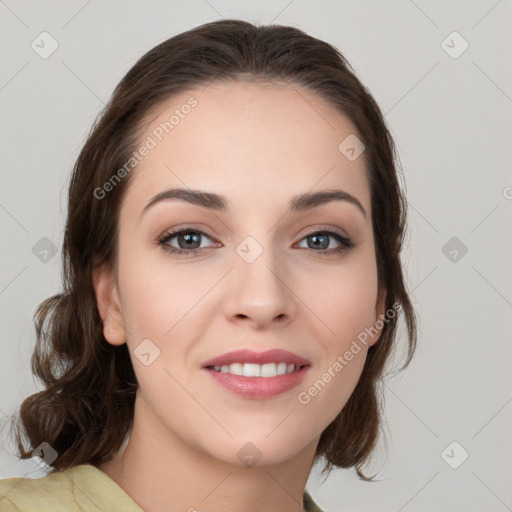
249	356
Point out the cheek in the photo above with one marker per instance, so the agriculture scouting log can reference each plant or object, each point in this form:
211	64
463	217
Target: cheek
345	301
336	301
347	312
157	295
330	390
334	379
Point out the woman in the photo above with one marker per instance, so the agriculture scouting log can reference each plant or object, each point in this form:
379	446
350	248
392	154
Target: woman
232	284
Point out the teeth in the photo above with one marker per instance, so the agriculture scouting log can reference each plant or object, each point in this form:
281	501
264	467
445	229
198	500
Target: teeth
236	369
251	370
268	370
281	368
256	370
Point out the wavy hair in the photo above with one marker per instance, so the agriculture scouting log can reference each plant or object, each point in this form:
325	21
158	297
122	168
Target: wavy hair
86	408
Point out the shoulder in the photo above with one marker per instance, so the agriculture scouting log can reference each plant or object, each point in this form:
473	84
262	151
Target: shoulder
17	494
83	488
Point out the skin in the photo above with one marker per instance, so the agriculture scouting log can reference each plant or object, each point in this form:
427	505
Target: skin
258	145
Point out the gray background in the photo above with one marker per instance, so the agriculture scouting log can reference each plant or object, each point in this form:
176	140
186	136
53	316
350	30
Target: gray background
451	119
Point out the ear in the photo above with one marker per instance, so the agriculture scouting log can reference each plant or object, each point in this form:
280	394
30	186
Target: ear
379	322
109	305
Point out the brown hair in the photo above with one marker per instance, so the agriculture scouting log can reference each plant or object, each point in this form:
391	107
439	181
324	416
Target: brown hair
87	406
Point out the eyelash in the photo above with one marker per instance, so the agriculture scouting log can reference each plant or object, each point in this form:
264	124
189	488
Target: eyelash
346	243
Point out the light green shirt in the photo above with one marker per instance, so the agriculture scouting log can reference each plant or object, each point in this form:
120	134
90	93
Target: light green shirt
82	488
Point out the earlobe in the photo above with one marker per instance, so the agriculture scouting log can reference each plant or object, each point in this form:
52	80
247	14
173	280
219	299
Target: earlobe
109	306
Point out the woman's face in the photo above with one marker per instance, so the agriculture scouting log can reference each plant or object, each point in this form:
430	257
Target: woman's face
254	275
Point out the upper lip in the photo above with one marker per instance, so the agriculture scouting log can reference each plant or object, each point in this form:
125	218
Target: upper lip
249	356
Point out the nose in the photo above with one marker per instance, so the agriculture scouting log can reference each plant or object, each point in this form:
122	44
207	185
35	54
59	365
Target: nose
260	292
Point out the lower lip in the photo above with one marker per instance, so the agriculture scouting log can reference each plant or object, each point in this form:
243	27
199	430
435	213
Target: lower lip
258	387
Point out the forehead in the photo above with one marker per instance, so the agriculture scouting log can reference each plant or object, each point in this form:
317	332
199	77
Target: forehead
247	140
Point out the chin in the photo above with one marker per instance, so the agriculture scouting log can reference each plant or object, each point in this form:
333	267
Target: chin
258	450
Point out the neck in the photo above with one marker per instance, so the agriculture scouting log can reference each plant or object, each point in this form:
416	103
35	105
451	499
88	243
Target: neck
160	471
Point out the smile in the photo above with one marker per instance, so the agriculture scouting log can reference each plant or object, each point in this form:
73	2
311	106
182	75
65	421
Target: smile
256	370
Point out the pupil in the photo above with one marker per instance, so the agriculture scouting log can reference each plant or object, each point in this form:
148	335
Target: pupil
316	237
190	237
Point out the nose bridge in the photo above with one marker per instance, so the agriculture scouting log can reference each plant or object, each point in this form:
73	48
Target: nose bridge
259	290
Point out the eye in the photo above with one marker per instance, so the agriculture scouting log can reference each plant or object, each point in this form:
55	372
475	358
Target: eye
320	240
189	242
188	237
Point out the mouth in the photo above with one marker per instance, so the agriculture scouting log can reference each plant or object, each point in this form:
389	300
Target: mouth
257	375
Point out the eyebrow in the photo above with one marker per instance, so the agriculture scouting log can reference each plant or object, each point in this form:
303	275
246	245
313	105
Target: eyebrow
301	202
